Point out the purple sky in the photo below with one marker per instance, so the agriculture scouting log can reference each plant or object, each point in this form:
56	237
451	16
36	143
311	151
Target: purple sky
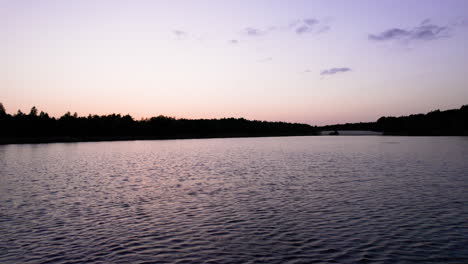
316	62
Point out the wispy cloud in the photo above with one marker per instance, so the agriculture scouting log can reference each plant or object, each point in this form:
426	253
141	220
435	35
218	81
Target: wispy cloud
303	29
333	71
298	26
460	22
234	41
323	29
308	25
310	21
425	31
179	34
266	59
255	32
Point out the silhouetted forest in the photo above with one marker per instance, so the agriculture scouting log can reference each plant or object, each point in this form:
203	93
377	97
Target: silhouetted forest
38	126
452	122
368	126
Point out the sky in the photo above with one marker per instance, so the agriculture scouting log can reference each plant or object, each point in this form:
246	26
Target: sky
315	62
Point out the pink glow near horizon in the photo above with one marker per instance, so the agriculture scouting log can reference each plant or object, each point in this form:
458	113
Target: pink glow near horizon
319	62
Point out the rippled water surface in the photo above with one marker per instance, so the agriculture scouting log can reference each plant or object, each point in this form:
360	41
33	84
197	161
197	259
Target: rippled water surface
366	199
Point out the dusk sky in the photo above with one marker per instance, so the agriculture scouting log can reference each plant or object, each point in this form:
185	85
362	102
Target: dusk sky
315	62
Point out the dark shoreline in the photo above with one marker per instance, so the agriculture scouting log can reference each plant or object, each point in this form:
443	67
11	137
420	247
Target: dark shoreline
47	140
41	128
453	122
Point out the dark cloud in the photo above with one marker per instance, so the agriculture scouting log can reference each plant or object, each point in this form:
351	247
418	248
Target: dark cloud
332	71
394	33
426	31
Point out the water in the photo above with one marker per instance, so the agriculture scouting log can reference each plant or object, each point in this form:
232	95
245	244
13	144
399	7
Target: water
366	199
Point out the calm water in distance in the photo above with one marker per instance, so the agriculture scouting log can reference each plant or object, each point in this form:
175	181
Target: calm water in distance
366	199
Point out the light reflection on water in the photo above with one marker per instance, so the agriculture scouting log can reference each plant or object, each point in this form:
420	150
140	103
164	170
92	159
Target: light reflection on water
245	200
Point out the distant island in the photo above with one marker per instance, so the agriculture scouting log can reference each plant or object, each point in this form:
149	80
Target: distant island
452	122
39	127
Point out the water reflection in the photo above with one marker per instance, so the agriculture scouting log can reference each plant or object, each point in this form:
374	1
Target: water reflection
258	200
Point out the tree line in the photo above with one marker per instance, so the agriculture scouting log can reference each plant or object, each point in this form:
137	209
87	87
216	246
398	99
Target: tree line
38	126
453	122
